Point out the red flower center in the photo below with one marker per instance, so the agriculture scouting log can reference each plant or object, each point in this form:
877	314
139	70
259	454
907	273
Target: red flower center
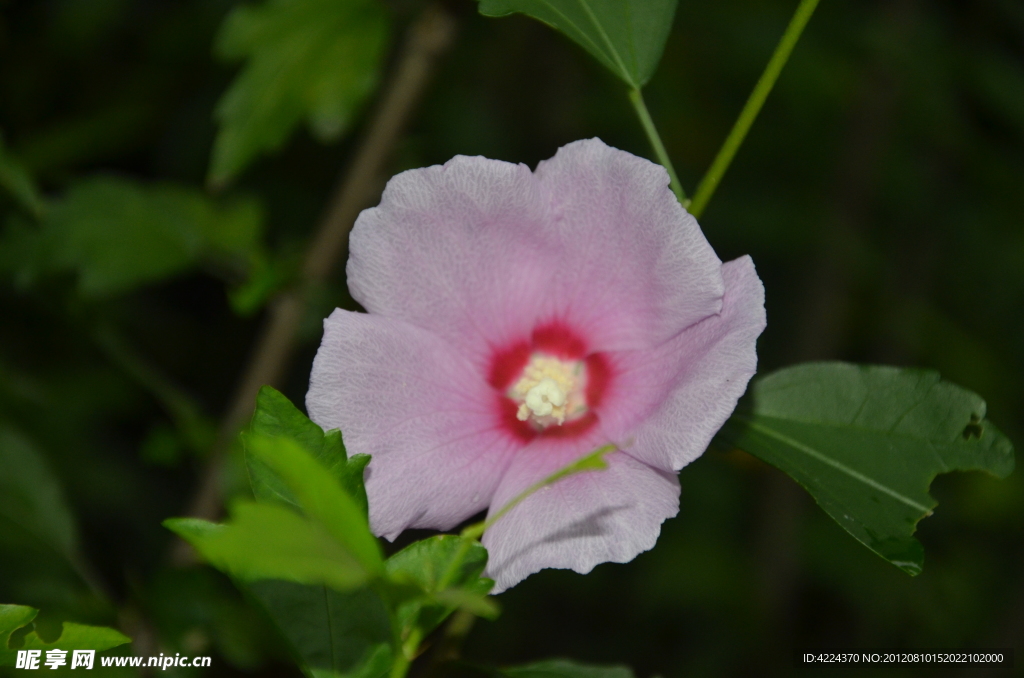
549	384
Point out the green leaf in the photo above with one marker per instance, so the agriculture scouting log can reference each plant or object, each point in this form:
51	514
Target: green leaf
627	36
564	668
345	633
312	60
117	234
473	599
422	568
15	179
866	442
266	278
72	637
320	496
269	541
12	618
276	416
30	495
351	476
193	530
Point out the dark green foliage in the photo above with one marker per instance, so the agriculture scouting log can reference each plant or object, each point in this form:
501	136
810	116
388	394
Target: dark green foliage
320	496
879	195
563	668
116	234
31	497
307	60
867	442
264	541
319	573
425	564
72	636
308	572
15	180
276	416
348	633
330	544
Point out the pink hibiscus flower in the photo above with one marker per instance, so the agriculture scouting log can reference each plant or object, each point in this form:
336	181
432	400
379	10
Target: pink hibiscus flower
519	320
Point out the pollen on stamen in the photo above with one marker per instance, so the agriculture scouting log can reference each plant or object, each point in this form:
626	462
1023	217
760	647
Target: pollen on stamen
549	391
543	399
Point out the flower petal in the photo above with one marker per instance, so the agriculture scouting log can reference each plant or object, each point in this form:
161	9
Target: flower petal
639	269
422	411
462	249
667	404
580	521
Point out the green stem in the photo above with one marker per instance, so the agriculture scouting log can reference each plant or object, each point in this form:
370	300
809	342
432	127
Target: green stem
659	148
764	85
590	462
407	652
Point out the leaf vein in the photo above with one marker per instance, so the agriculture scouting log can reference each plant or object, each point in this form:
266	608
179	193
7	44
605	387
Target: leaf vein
572	23
608	41
839	466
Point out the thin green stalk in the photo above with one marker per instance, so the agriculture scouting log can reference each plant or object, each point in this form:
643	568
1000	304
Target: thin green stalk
764	85
407	653
659	148
590	462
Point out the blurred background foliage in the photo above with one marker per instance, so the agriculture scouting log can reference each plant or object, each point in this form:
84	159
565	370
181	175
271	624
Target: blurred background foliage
881	195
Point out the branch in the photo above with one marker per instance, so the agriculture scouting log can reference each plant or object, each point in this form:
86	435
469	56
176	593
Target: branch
426	40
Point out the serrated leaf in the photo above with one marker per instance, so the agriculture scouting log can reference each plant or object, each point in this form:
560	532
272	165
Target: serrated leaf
320	496
117	234
867	442
15	179
276	416
351	477
306	60
345	633
422	567
627	36
30	495
565	668
269	541
73	636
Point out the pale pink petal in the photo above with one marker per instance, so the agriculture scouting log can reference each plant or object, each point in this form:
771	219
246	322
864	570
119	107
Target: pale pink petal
665	405
420	409
579	522
639	269
463	249
467	267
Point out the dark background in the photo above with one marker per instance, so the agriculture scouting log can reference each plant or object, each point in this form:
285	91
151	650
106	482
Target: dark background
880	194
